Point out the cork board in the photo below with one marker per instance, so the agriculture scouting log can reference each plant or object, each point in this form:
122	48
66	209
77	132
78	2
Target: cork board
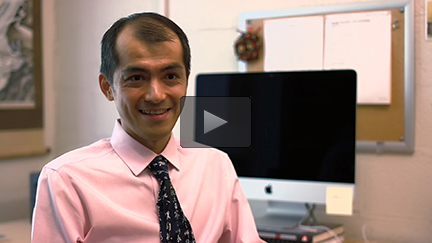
389	127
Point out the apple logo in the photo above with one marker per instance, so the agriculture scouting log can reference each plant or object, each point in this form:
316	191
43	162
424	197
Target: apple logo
268	189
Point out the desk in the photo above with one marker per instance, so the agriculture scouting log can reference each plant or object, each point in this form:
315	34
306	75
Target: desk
16	231
362	241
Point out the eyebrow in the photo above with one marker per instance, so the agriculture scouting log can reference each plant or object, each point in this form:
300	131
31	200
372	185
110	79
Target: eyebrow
131	69
173	66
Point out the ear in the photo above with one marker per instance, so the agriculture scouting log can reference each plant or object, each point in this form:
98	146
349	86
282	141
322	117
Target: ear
105	87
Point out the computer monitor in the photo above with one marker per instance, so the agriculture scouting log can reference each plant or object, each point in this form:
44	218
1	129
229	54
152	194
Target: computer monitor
302	136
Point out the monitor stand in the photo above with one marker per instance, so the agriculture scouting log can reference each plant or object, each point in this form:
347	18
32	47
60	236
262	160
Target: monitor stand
282	214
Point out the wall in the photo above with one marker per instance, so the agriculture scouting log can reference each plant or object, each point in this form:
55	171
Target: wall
393	198
76	112
14	173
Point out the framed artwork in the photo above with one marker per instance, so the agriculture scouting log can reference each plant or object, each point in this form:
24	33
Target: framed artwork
428	19
21	96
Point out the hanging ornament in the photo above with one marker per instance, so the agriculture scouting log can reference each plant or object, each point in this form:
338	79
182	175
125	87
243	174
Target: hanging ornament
247	45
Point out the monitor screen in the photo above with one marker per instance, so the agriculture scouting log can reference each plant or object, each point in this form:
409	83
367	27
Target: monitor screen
302	131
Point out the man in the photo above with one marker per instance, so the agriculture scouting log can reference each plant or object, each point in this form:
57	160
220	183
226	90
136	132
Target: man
109	191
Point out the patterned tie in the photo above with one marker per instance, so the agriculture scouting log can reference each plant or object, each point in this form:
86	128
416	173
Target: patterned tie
174	226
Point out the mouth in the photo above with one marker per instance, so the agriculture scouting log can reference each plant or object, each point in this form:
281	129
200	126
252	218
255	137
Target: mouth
154	112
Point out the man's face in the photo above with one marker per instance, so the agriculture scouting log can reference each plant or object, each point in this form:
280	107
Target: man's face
148	84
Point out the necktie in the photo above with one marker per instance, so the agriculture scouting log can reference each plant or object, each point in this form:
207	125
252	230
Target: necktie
173	224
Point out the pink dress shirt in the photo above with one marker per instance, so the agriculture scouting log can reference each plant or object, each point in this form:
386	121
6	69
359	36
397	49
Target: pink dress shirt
104	193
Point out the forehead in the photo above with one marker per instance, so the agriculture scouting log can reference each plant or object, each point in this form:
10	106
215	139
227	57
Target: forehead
131	43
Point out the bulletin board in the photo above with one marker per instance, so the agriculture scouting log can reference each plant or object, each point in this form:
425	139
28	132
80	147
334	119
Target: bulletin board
380	128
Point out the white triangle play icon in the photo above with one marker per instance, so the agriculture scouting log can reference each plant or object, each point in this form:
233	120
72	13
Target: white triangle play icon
211	122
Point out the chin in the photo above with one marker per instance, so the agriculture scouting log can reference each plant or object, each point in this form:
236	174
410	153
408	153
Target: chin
158	135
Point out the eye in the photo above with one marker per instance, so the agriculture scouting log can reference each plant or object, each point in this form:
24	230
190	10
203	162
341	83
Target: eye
135	78
171	76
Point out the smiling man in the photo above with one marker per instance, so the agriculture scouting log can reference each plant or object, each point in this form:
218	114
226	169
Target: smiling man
147	85
140	185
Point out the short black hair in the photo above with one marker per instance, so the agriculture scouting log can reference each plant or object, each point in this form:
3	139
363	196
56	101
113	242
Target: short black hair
149	27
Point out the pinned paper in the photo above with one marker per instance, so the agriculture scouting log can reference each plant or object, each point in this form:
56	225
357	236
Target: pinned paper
360	41
348	45
339	200
294	44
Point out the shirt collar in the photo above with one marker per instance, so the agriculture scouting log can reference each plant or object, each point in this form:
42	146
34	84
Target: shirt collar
137	156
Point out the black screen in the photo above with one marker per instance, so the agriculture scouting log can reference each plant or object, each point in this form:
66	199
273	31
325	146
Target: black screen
303	123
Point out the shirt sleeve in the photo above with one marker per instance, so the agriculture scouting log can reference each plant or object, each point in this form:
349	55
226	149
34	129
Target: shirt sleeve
241	223
56	217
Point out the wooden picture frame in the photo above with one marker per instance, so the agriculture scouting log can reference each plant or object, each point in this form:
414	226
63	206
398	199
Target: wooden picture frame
21	90
428	20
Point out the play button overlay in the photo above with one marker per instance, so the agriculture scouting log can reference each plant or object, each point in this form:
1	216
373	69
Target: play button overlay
211	122
219	122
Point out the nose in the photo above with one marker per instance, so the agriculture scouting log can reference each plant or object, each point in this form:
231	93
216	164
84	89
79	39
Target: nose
155	92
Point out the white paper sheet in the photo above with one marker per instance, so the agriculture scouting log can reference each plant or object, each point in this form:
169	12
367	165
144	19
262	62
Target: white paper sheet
361	41
293	44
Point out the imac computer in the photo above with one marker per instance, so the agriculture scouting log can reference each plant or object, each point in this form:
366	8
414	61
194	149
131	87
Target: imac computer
303	126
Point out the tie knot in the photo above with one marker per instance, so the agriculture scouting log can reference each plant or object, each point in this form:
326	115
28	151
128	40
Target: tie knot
159	167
